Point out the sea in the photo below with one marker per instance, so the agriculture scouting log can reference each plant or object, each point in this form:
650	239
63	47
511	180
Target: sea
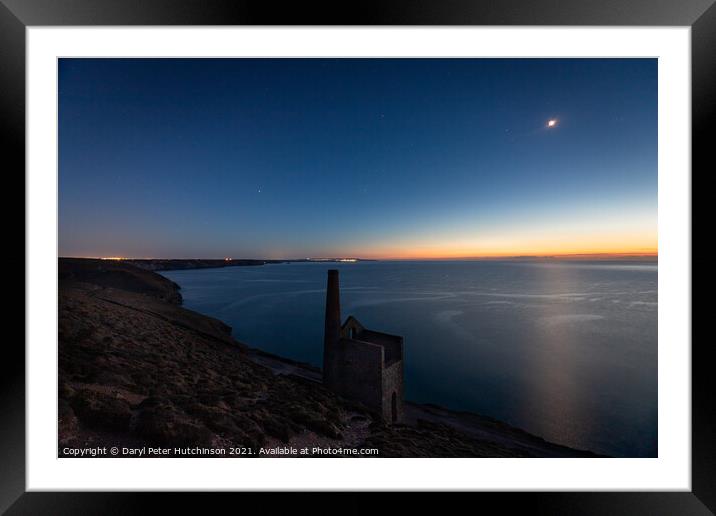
566	350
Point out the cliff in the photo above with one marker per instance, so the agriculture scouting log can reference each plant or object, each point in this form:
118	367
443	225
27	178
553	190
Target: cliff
136	369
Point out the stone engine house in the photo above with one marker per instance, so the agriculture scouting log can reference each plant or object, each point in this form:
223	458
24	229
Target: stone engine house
361	364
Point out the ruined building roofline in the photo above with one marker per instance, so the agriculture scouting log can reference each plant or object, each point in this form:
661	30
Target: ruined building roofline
364	343
388	336
383	335
350	319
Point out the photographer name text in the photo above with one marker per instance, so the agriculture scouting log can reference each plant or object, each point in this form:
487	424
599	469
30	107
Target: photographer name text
276	451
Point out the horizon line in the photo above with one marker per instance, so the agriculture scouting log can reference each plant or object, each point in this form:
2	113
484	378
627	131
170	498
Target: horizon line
603	255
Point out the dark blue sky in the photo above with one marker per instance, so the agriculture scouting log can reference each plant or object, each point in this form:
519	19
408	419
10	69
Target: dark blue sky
371	157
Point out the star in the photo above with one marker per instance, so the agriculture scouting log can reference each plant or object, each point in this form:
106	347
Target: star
552	122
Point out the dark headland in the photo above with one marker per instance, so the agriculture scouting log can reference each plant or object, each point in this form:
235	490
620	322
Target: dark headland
137	369
159	264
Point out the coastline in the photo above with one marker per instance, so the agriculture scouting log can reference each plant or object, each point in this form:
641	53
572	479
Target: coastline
176	264
137	367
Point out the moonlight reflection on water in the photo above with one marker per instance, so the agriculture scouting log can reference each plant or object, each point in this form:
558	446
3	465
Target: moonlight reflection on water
566	350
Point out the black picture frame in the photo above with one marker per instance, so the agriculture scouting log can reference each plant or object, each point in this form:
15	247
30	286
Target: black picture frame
17	15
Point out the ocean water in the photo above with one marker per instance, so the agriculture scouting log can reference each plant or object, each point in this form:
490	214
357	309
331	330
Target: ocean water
565	350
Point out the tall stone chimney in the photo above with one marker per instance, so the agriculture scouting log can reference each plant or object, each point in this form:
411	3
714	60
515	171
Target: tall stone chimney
332	332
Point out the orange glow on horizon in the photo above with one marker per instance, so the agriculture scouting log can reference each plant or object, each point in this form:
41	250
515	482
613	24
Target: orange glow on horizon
424	252
456	254
569	247
572	238
572	242
445	254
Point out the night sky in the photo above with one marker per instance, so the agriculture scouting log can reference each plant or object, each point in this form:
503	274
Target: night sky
374	158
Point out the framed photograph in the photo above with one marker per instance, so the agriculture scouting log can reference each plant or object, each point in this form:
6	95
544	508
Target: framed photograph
454	242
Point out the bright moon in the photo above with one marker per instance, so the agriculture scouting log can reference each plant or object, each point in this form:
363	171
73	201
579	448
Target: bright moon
551	123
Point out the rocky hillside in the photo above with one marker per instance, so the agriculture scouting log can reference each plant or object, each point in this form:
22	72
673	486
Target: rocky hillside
117	275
